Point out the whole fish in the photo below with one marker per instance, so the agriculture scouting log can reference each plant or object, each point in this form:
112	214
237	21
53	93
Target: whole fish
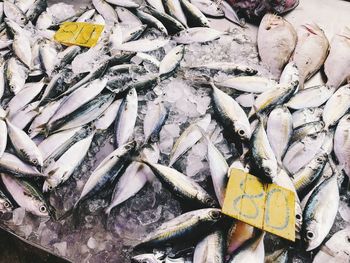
171	61
305	130
181	185
195	17
57	172
24	146
342	143
173	8
197	35
337	105
11	164
208	7
106	172
310	52
48	56
302	152
237	235
16	75
106	11
279	131
134	178
277	34
12	12
144	45
306	115
228	68
210	249
22	48
311	97
5	203
264	160
126	118
172	25
335	249
253	251
319	213
337	63
188	225
153	122
252	84
188	138
151	21
108	116
231	114
307	177
27	196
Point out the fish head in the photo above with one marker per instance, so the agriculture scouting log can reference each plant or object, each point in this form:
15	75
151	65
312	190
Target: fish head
270	169
5	206
40	208
50	184
214	215
271	21
283	6
243	130
310	235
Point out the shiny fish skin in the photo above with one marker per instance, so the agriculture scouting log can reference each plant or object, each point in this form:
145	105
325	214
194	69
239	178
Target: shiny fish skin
2	79
226	67
144	45
194	16
66	56
302	152
3	136
124	3
154	120
208	7
188	138
306	115
16	75
24	146
342	143
231	15
319	213
22	48
191	224
86	15
108	116
305	130
336	106
173	25
310	52
25	115
11	164
171	61
14	13
276	33
156	4
279	131
126	118
310	97
173	8
106	11
48	56
210	249
252	84
182	186
197	35
151	21
5	203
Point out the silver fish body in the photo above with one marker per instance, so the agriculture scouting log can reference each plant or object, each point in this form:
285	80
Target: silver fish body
195	17
208	7
210	249
22	48
106	10
12	12
16	75
171	61
252	84
342	143
108	116
155	117
11	164
173	8
197	35
305	130
306	115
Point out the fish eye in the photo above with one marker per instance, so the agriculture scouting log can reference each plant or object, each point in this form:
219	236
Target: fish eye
215	214
42	209
311	110
35	162
267	171
298	216
310	235
348	118
7	204
209	201
50	187
319	159
241	132
348	238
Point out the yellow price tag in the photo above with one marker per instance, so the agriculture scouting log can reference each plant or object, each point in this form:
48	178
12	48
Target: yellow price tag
79	33
265	206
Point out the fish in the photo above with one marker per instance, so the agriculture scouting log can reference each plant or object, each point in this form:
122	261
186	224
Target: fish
126	16
24	116
172	25
181	185
253	251
11	164
59	171
171	61
48	56
319	213
277	34
151	21
87	15
144	45
252	84
27	196
66	56
195	17
290	75
13	12
191	224
2	79
16	74
5	203
279	131
305	130
263	157
124	3
311	97
279	256
189	137
237	235
133	33
22	48
148	258
335	249
302	152
209	8
106	11
173	8
36	9
228	68
3	136
342	143
310	52
336	107
339	56
210	249
126	118
108	116
106	172
197	35
306	178
155	117
134	178
306	115
24	146
231	114
231	15
156	4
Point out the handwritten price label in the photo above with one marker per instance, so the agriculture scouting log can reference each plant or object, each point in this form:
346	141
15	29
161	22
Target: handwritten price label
78	33
265	206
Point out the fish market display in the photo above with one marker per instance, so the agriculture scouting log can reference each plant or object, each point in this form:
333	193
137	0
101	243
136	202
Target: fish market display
123	150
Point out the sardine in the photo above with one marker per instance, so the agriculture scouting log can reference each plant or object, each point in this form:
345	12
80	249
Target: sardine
108	116
171	61
306	115
173	8
210	249
197	35
252	84
153	122
11	164
16	75
195	17
173	25
151	21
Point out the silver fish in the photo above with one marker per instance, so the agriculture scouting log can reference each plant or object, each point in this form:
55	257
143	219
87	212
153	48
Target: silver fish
209	8
173	25
57	172
66	56
144	45
171	61
12	12
44	21
16	75
127	17
126	118
263	157
310	97
156	4
342	143
130	34
108	116
320	212
155	117
24	146
151	21
306	115
336	106
210	249
48	56
173	8
231	15
181	185
197	35
5	203
124	3
279	131
290	74
226	67
87	15
22	48
188	138
106	10
195	17
24	5
302	152
25	115
36	9
305	130
26	195
184	226
11	164
252	84
3	136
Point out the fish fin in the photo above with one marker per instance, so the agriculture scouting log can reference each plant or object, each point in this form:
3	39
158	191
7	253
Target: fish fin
327	250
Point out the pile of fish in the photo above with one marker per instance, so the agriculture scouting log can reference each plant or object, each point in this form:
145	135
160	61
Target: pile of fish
57	101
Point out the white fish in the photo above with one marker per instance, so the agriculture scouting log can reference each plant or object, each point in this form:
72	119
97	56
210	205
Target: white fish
126	119
48	56
87	15
342	143
16	75
173	8
171	60
3	137
306	115
24	116
144	45
108	116
252	84
153	122
106	11
22	48
208	7
197	34
11	164
127	17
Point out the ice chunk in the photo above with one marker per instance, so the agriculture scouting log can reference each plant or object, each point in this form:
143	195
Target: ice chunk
194	165
92	243
18	216
172	130
26	230
199	149
61	248
246	100
150	216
